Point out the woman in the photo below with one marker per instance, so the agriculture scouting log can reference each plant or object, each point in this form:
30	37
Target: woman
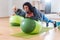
33	13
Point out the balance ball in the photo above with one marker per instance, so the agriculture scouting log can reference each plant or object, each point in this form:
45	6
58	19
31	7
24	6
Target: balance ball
15	20
30	26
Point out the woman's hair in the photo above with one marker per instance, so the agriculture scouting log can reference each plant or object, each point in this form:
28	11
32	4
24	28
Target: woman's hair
29	5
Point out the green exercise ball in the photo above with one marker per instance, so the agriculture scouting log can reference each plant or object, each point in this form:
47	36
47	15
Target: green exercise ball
30	26
15	20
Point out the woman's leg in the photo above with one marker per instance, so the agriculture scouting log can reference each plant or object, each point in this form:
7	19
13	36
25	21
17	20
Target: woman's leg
47	24
54	22
55	25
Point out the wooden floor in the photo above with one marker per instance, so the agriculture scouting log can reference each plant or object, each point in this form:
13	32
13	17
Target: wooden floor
5	32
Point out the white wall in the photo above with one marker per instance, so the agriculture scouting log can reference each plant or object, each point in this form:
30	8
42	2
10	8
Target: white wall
55	6
19	3
38	4
4	8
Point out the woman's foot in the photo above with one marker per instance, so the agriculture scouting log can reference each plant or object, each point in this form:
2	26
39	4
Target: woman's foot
54	24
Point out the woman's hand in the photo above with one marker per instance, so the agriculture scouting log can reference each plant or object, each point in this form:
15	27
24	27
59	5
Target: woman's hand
14	8
29	15
13	14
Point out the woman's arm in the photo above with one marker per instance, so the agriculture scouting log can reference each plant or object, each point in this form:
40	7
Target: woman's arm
36	14
18	11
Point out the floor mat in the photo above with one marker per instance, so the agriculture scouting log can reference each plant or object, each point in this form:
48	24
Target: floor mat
23	35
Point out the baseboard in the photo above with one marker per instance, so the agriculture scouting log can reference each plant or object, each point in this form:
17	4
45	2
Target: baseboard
5	17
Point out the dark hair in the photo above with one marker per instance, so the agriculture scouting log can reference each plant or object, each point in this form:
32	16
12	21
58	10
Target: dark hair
29	5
